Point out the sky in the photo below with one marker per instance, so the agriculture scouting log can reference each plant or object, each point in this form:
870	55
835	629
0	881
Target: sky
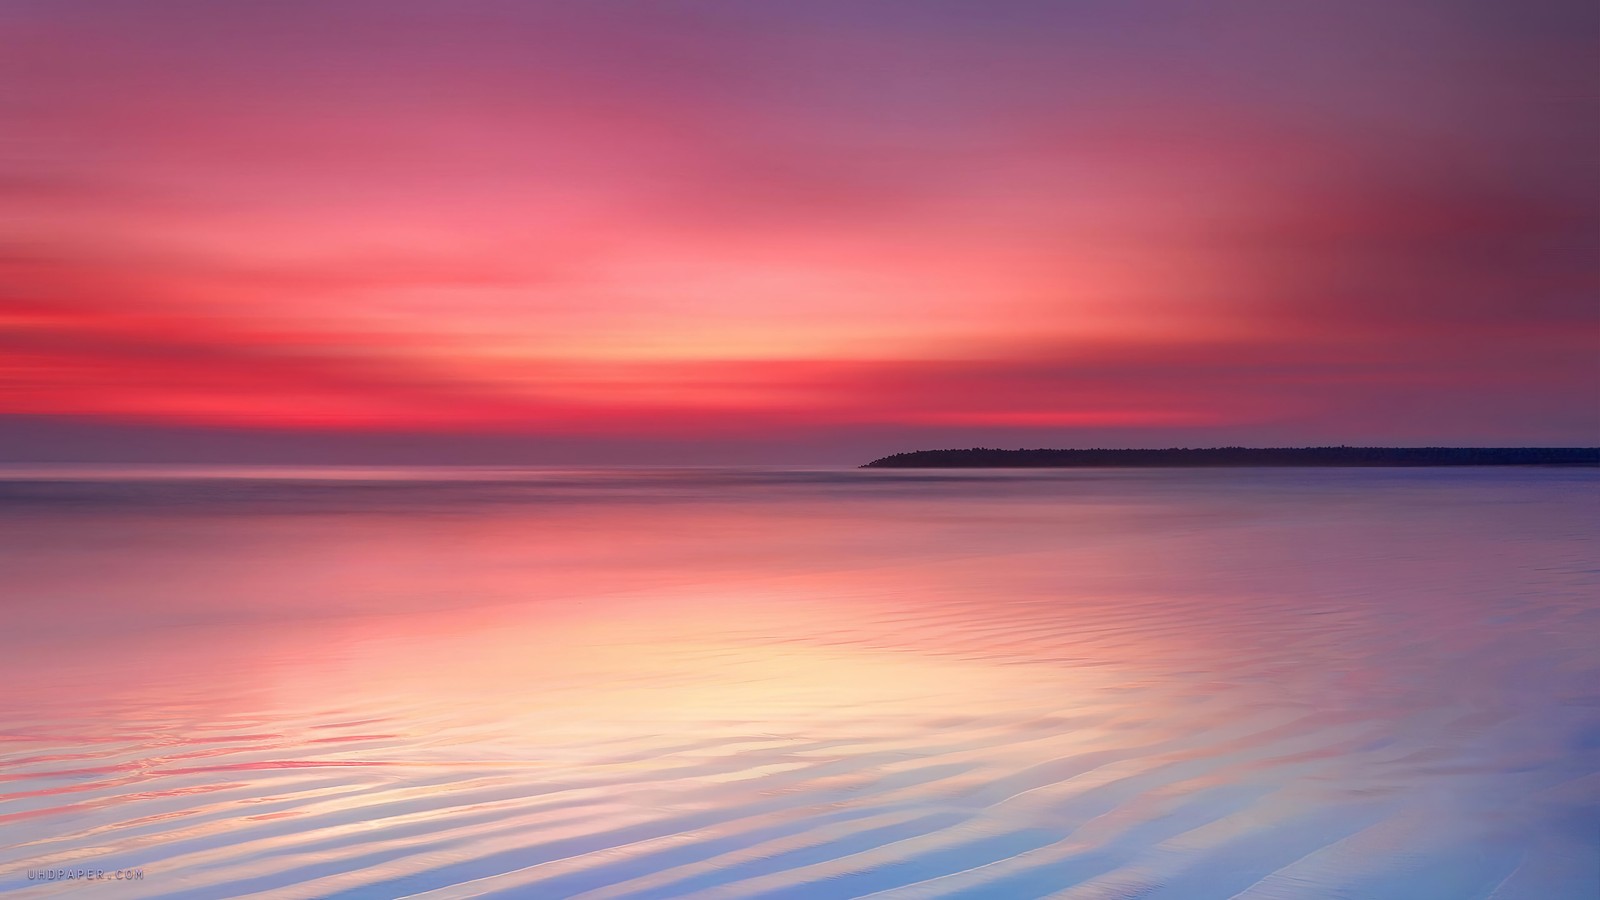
775	231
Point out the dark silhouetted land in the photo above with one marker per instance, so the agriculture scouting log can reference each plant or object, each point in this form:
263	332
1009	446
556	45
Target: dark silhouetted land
1183	457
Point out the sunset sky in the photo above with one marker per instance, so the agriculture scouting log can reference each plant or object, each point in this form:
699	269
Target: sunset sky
793	231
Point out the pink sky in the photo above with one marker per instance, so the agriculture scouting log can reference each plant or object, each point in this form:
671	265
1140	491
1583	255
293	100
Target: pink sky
849	226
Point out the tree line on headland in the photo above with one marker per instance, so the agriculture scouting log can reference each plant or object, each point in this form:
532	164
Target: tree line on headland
987	457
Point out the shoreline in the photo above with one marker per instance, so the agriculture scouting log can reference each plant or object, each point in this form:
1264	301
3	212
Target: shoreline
1240	457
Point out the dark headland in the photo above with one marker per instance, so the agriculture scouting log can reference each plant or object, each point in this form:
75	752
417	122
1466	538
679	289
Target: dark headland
986	458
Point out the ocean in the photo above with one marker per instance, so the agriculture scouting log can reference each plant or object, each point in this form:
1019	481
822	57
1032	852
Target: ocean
727	683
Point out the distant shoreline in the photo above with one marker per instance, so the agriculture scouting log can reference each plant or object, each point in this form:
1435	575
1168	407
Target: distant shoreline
1220	457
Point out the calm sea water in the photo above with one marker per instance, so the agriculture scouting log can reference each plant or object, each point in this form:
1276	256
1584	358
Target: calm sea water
758	683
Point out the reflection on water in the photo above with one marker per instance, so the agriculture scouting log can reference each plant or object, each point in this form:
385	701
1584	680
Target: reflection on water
1174	684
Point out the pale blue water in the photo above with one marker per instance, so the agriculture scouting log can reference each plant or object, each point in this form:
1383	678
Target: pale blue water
764	683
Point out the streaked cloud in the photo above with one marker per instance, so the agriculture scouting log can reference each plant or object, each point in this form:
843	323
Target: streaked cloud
1360	221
